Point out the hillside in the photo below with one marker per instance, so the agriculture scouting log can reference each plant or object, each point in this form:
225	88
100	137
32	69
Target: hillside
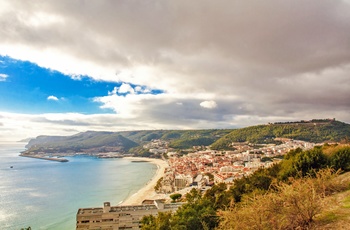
178	139
315	131
336	211
91	141
125	141
306	190
188	139
82	142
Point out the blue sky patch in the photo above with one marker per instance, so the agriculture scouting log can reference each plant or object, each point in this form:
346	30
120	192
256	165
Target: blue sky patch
28	88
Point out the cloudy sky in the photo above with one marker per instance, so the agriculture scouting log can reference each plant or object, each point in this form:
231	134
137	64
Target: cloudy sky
74	65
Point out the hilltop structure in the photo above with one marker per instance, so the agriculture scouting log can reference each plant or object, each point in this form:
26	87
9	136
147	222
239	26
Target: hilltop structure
121	217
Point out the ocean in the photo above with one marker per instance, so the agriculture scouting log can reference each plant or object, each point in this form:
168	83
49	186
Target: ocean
47	194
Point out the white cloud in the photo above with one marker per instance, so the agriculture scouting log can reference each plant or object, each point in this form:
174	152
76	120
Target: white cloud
76	76
208	104
3	77
151	112
19	126
126	88
138	89
52	98
114	91
260	60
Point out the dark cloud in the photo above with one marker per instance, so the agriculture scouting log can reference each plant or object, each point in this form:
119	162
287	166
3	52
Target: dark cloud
258	58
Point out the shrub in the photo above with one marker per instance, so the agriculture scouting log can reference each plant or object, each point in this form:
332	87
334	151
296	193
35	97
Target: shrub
291	205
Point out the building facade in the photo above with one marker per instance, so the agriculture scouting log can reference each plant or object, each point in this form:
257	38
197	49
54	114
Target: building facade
120	217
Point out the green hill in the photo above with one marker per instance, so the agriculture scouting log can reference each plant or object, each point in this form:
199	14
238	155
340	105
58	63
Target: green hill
178	139
188	139
122	141
219	139
92	141
315	131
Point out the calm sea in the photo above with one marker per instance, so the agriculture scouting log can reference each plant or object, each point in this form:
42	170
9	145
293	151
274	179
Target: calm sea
46	194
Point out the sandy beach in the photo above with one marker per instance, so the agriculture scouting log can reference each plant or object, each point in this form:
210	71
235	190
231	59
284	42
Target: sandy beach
147	192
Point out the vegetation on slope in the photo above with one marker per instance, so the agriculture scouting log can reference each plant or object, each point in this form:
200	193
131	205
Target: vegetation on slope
188	139
176	136
315	131
131	141
81	142
189	143
289	195
292	205
177	139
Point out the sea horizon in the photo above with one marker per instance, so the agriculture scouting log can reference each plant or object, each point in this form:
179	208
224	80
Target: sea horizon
46	194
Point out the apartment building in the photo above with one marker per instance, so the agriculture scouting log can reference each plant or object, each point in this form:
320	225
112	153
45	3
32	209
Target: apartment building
120	217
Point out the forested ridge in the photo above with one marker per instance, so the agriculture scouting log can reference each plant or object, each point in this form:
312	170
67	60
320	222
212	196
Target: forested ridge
218	139
125	141
315	131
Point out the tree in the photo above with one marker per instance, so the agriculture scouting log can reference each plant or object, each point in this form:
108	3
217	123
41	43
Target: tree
148	222
193	196
158	185
340	159
160	222
175	197
308	162
199	215
258	181
211	176
218	196
292	153
300	164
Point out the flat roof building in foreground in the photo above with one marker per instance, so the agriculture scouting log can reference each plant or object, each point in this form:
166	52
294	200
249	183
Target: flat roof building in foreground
121	217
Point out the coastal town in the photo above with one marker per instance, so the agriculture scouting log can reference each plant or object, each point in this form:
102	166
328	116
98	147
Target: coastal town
178	173
185	160
204	167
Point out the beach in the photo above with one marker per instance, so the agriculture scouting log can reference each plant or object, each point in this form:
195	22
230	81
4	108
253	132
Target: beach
147	192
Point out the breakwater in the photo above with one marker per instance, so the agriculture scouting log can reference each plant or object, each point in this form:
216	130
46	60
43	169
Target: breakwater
46	158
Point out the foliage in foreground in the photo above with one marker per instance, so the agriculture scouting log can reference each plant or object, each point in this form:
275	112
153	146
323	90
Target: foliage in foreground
292	205
285	196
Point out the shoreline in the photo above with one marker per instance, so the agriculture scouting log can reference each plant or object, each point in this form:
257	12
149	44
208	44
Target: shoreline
147	191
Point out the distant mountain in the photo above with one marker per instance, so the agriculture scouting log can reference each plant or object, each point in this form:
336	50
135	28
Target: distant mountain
177	138
82	142
92	142
316	131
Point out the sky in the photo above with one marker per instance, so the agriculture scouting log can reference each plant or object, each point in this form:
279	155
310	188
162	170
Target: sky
70	66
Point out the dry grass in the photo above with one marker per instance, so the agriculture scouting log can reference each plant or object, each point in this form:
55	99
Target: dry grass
309	203
336	212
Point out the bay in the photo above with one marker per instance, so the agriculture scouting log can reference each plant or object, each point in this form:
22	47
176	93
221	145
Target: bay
47	195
